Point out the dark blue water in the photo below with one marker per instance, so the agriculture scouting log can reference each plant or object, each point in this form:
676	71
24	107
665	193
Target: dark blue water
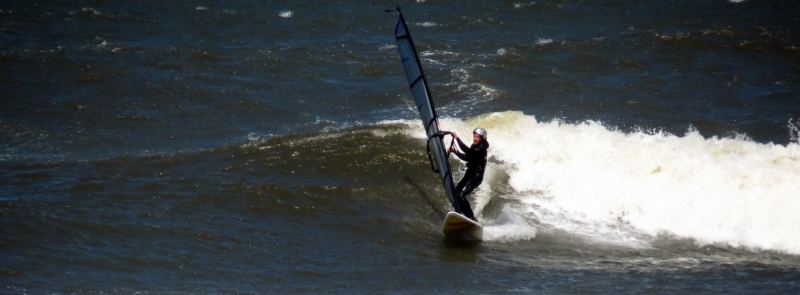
224	146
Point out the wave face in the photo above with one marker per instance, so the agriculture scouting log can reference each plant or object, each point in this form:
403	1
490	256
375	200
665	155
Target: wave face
631	188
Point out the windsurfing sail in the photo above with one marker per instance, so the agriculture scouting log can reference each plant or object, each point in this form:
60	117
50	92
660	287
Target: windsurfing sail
422	96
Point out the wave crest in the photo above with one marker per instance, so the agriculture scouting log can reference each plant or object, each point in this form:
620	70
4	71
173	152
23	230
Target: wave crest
629	188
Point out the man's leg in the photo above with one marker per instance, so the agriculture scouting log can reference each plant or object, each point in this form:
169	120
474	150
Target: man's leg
458	204
470	185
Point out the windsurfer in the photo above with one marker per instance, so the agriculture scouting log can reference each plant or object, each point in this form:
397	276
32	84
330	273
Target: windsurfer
475	155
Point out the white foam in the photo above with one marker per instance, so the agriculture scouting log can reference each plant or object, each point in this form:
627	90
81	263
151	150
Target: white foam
543	41
521	4
628	188
286	14
387	46
427	24
476	91
793	126
509	226
88	10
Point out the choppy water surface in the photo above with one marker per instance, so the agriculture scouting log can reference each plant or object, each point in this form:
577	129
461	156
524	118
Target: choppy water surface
207	147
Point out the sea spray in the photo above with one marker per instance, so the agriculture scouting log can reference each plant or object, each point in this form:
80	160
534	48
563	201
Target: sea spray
616	187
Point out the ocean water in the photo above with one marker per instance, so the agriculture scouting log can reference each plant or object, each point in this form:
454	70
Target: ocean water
273	147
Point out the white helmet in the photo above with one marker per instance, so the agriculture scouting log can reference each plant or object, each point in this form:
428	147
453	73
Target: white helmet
481	132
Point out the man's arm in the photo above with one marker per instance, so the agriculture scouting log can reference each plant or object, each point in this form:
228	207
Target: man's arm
460	155
463	146
455	151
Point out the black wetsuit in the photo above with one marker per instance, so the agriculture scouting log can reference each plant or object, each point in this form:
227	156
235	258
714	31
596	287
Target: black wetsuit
475	156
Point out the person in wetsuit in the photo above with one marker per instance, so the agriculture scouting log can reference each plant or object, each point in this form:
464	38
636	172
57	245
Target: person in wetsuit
475	155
